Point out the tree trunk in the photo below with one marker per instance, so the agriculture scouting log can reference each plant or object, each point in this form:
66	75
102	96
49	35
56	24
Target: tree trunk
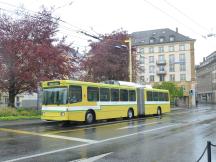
12	96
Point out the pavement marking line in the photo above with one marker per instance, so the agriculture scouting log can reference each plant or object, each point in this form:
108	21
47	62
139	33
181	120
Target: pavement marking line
92	159
139	125
48	135
69	138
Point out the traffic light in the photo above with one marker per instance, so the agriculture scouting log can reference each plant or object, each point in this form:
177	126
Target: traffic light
191	92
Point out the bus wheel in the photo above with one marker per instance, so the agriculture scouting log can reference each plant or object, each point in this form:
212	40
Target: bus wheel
130	114
89	117
159	112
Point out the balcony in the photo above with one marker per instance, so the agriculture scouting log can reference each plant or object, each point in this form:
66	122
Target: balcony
160	72
161	62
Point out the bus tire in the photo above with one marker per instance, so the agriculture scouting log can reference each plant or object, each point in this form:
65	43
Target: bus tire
90	117
159	112
130	113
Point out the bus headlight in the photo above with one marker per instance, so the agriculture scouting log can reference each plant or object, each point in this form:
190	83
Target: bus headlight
62	114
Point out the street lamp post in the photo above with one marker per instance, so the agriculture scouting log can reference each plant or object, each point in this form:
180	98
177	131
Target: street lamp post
130	60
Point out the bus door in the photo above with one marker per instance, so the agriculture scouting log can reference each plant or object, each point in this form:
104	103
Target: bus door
140	101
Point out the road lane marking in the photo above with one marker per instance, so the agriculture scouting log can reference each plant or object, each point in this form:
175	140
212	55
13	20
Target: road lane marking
92	159
48	135
69	138
139	125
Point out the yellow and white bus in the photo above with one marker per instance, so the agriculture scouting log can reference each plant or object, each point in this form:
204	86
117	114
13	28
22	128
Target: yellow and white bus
68	100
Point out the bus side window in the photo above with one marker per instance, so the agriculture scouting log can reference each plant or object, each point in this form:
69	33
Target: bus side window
160	96
155	96
132	95
166	98
75	94
123	95
93	94
149	96
104	94
114	95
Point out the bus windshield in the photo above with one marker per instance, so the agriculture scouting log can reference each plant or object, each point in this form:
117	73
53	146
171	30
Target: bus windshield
54	96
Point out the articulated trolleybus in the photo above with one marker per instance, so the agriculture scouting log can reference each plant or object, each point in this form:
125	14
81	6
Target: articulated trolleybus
67	100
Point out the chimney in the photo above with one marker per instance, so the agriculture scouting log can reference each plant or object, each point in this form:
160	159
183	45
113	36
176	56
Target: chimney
176	29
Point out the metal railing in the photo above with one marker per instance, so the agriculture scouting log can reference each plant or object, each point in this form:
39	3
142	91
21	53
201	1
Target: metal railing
208	149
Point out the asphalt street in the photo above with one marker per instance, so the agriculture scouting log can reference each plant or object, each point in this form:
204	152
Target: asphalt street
179	136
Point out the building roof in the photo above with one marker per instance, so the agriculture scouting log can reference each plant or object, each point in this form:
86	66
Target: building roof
207	60
155	37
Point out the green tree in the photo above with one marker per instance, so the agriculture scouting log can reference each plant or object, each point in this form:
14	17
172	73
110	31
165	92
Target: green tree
173	89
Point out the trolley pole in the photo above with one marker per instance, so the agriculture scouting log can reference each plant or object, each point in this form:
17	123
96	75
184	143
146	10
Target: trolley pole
209	151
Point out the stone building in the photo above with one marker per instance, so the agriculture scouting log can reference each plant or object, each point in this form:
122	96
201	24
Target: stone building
166	55
206	79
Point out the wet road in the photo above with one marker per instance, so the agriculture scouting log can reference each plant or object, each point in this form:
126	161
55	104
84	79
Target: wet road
179	136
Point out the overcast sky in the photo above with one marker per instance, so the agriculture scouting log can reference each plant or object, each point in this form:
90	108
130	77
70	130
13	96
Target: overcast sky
194	18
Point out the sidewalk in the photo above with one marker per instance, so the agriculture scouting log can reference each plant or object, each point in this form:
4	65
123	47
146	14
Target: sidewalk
22	122
178	108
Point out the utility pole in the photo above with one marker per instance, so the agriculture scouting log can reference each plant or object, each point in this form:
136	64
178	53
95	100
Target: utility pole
130	59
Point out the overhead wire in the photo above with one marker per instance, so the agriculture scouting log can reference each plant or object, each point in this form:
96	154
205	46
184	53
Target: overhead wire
172	17
185	15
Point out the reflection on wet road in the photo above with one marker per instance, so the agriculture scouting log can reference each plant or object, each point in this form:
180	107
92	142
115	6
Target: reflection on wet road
178	136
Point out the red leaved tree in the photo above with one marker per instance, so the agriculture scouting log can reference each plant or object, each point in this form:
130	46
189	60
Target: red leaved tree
108	59
30	53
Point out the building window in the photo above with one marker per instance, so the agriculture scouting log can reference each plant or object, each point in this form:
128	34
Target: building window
152	40
172	59
172	68
182	57
141	50
151	59
151	50
182	67
161	49
142	59
181	47
172	77
171	48
161	39
6	100
142	79
162	78
161	68
172	38
182	77
151	78
161	58
151	69
142	69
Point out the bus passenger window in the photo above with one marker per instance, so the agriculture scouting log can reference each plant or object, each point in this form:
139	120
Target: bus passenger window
104	94
166	98
149	96
132	95
123	95
160	96
114	95
93	94
155	96
75	94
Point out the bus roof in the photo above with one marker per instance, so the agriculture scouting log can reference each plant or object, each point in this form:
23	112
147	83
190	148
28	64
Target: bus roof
57	83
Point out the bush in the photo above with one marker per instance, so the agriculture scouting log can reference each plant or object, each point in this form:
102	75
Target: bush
7	111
